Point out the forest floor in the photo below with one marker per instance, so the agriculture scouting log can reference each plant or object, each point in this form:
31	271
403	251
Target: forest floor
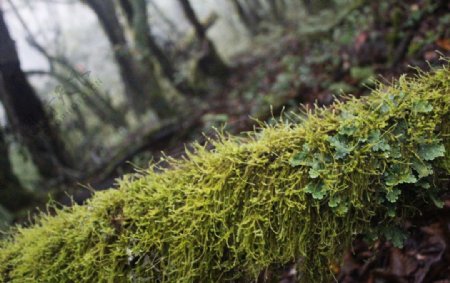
425	256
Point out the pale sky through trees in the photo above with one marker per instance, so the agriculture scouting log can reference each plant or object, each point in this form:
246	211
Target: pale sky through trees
75	22
65	28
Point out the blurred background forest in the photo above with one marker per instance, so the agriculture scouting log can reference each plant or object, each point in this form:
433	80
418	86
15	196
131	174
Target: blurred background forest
91	89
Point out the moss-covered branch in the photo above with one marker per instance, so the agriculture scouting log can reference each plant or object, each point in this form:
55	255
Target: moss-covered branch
297	192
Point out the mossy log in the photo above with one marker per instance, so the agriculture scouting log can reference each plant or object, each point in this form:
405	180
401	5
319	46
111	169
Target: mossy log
289	193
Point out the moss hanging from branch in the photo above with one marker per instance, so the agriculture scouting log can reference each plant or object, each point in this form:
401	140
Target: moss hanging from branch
293	192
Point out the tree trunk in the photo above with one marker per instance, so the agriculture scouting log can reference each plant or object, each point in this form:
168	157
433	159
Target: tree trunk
313	7
13	196
256	10
274	10
141	84
210	62
26	113
137	15
245	17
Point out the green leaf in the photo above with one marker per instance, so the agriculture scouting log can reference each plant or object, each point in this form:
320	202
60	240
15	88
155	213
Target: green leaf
396	236
348	130
391	212
314	173
334	201
399	174
400	131
422	106
422	169
431	151
393	194
301	158
317	190
395	152
379	143
342	209
298	159
340	145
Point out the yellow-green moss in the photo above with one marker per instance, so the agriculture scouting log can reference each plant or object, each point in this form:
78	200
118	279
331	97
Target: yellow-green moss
293	192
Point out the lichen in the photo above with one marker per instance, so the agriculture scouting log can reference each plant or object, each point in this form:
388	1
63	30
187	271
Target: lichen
294	192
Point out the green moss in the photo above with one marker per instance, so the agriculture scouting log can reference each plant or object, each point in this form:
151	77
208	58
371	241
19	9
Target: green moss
293	192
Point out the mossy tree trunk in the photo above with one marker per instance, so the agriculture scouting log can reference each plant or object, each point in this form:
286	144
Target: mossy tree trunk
13	196
136	13
141	83
210	62
276	10
26	113
247	17
293	193
313	7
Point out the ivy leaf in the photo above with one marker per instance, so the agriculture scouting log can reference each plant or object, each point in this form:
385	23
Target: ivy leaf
431	151
318	190
399	174
396	236
334	201
314	173
301	158
391	212
340	145
422	106
400	131
422	169
393	194
339	206
342	209
395	152
317	165
298	159
379	143
348	130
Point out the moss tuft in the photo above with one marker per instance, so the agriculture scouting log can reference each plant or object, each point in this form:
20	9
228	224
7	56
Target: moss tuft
292	192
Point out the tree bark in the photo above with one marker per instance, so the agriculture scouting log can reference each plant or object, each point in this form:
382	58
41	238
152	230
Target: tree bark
256	10
13	196
137	16
210	62
141	84
26	114
313	7
274	11
246	19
